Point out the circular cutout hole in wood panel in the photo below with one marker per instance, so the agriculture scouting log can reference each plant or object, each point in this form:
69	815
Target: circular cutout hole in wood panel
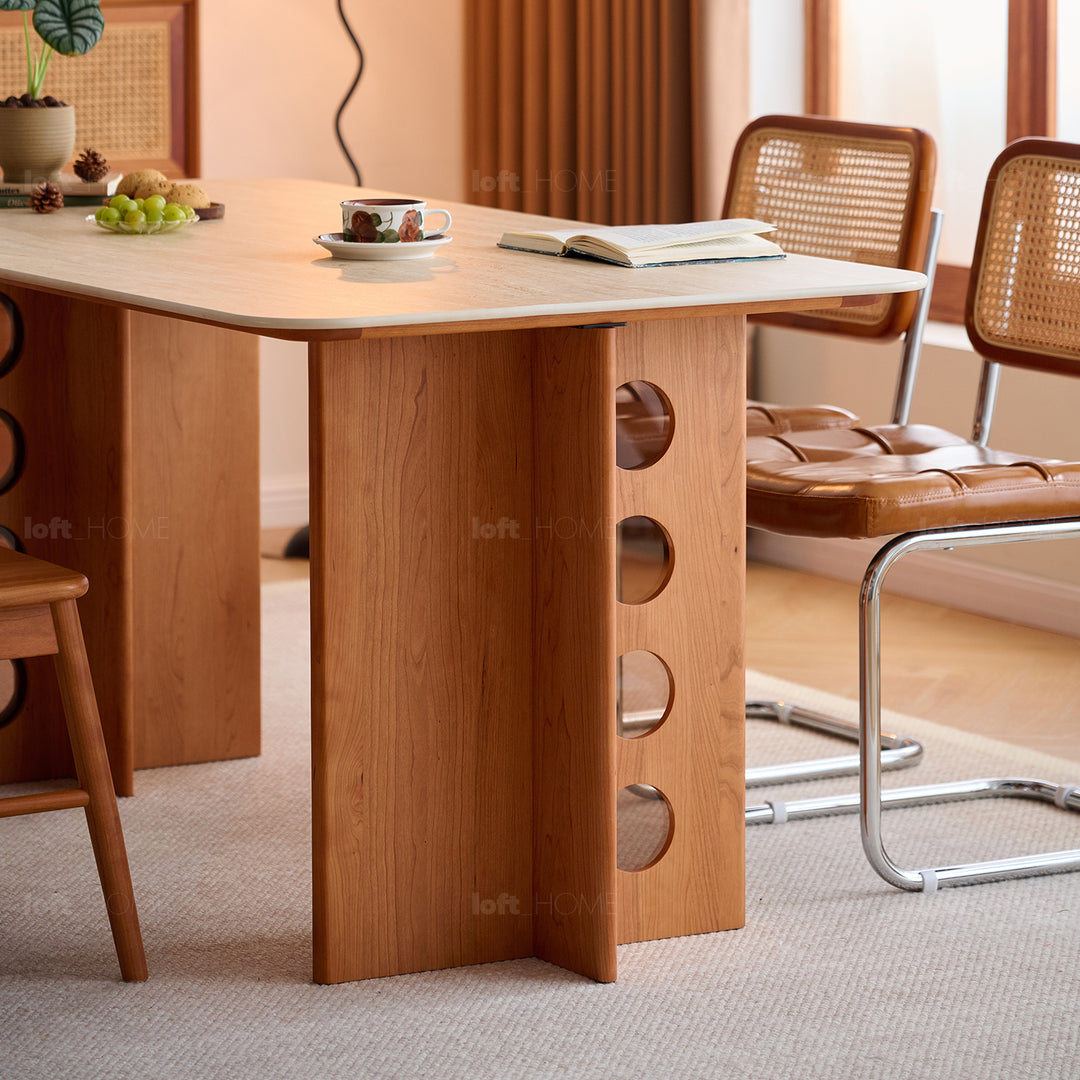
643	693
645	826
644	559
644	425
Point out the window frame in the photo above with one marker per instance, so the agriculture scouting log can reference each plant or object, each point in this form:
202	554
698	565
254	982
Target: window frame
1031	99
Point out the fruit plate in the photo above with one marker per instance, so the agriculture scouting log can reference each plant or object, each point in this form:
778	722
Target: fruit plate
145	228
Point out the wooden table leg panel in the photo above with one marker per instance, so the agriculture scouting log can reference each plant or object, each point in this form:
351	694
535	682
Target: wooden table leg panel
194	536
69	393
142	472
695	625
464	504
574	772
421	576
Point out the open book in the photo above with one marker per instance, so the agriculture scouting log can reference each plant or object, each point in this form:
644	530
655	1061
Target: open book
655	245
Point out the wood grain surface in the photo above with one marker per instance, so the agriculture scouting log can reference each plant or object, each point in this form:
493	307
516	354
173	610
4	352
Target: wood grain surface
258	268
695	625
141	472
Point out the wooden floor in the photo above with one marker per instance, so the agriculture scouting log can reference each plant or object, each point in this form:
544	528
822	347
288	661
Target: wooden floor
1004	681
1000	680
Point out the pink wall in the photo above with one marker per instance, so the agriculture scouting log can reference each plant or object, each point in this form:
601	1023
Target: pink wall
273	75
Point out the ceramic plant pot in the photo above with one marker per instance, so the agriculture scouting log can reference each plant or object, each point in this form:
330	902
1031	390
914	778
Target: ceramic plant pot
35	144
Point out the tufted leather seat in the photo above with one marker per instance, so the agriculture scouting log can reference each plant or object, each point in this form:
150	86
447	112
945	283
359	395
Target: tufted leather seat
763	418
872	482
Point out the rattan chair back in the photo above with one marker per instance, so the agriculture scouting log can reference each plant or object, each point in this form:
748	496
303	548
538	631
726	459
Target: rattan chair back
1023	304
839	190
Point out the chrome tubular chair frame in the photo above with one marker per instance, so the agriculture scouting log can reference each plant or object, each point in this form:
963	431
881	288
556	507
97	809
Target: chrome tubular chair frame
870	710
913	337
872	799
897	751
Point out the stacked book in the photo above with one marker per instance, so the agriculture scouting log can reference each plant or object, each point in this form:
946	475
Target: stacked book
76	192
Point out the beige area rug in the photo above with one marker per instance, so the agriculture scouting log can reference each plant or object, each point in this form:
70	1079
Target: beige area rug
835	976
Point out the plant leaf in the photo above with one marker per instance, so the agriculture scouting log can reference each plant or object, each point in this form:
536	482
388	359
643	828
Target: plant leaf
17	5
71	27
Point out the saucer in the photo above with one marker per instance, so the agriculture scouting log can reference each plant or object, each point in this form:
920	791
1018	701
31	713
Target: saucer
350	249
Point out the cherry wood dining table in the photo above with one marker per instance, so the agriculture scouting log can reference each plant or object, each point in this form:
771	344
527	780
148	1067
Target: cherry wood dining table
465	502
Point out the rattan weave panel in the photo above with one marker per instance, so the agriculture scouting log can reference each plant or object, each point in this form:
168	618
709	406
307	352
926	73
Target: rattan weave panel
120	89
838	202
1028	292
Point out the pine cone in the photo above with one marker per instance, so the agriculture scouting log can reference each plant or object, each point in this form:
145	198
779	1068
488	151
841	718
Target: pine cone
46	197
91	166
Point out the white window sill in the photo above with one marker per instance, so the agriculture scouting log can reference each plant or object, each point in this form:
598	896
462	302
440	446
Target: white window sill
947	336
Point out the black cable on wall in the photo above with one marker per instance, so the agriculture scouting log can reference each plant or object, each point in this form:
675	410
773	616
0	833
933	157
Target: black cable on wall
349	94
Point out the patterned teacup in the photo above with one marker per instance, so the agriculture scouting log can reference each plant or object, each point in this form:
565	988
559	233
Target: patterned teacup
388	221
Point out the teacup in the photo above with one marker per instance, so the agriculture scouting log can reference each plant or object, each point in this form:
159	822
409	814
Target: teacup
388	221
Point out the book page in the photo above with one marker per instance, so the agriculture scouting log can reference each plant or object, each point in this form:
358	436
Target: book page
738	246
545	243
648	237
560	235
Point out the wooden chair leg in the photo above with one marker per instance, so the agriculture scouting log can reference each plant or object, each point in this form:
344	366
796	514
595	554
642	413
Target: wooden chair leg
92	766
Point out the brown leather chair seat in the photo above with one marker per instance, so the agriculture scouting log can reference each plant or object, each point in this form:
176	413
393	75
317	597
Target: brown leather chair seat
872	482
764	418
883	441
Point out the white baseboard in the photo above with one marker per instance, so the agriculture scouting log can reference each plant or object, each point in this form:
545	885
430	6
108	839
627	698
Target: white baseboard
284	504
934	577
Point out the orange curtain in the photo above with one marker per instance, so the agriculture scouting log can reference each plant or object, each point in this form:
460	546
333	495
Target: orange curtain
603	110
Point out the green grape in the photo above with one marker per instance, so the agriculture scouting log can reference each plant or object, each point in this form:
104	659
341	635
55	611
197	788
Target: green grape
118	202
99	213
153	214
154	202
135	217
173	212
139	203
189	213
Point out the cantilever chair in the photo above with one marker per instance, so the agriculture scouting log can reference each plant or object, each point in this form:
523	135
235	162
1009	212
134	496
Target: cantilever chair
860	193
929	489
39	617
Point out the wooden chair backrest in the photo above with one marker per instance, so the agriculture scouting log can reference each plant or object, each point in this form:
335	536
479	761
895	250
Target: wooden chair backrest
839	190
1023	303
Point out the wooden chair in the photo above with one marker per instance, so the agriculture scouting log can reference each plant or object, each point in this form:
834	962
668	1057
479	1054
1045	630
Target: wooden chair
860	193
39	617
931	489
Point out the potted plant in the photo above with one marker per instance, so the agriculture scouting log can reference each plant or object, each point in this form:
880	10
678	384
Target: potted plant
37	134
